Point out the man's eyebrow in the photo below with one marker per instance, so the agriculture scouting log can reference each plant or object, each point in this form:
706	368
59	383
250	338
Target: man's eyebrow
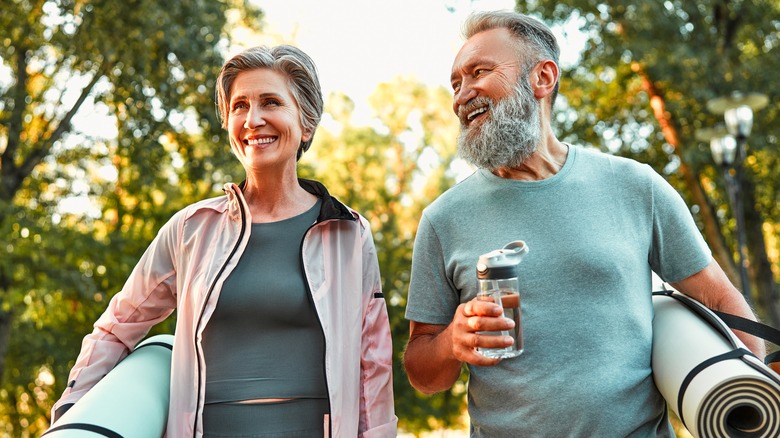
471	65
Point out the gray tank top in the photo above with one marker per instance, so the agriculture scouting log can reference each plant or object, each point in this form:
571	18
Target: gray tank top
264	339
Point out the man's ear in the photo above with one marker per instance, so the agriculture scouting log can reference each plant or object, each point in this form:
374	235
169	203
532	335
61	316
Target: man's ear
544	77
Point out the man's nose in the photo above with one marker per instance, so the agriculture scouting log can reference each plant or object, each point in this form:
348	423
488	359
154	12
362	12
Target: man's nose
464	94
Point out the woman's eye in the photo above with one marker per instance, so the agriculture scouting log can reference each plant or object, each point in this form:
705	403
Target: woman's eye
239	105
272	102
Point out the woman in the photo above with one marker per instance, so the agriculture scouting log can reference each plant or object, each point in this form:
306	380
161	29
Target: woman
281	328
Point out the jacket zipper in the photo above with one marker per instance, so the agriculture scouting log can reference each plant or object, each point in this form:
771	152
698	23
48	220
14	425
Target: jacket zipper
198	353
319	321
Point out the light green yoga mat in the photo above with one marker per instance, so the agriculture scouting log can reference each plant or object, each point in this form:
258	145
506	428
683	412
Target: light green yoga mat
708	381
129	402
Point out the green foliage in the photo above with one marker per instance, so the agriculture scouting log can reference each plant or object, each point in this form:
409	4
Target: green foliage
152	67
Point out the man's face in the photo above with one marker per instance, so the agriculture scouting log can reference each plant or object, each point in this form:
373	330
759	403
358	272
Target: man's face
498	112
487	66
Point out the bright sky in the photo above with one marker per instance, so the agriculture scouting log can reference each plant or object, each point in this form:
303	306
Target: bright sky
358	44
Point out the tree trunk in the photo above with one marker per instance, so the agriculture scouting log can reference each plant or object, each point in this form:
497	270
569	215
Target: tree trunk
760	267
6	318
712	230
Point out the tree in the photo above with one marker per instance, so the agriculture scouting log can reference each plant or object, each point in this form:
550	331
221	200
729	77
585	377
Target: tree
390	171
641	90
151	66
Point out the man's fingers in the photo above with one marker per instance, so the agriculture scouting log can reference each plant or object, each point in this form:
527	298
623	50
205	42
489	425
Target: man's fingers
478	324
482	308
489	324
485	340
472	356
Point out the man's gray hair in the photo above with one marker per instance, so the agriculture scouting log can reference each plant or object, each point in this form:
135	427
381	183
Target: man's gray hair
536	40
295	65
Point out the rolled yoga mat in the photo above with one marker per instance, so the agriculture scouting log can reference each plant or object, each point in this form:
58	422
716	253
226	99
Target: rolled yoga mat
706	374
131	401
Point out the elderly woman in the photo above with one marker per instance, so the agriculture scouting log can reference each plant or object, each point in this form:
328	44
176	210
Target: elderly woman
282	328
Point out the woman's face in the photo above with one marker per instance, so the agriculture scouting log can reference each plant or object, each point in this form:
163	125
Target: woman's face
264	121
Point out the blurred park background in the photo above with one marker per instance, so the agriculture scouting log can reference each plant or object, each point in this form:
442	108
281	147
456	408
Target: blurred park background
108	126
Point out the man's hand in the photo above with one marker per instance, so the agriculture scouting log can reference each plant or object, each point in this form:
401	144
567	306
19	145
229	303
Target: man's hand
473	317
435	353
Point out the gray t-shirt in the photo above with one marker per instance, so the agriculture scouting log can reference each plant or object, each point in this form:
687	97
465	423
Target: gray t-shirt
595	231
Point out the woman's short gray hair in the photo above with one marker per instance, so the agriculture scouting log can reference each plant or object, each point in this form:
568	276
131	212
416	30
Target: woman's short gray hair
292	62
537	40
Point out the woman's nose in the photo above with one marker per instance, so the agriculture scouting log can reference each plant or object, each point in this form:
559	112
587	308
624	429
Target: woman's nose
254	118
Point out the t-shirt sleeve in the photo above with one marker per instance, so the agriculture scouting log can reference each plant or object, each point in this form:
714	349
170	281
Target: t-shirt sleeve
432	297
678	250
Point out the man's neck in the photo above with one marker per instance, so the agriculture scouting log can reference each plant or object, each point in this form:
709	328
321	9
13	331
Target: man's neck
546	161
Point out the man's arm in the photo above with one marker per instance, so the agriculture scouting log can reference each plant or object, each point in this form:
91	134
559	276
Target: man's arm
435	353
711	287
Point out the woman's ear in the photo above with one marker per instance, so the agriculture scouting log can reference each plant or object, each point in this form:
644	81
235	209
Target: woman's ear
306	135
544	77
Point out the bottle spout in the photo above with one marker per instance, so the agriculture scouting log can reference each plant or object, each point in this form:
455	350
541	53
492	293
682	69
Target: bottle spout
501	263
517	249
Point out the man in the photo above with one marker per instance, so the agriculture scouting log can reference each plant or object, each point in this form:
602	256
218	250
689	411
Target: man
596	226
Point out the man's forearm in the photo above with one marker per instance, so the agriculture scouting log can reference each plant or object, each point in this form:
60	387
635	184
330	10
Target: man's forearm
753	343
711	287
430	364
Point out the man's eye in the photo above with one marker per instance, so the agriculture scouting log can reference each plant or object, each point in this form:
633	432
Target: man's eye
456	86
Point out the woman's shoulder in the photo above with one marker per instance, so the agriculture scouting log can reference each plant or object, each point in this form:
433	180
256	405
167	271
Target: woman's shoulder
216	204
203	210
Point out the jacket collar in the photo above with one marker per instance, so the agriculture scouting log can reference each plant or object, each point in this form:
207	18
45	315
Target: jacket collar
331	207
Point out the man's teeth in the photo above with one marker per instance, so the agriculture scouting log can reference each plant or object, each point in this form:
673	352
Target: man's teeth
475	113
256	141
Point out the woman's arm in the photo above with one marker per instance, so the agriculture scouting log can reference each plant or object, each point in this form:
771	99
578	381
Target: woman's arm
148	297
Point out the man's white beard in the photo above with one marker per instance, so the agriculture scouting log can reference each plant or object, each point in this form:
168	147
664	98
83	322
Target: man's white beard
509	135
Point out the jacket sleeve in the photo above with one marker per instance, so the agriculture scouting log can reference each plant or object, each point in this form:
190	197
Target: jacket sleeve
148	297
377	410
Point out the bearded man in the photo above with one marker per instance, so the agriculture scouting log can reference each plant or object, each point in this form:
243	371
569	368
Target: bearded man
597	227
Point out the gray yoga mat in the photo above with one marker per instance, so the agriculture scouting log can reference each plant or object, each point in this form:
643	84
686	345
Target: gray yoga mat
707	376
130	401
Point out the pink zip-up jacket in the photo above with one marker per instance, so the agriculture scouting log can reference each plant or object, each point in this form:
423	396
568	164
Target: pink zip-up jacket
185	267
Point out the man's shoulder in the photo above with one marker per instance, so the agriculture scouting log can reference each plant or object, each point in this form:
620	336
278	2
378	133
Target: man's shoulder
460	195
598	156
598	161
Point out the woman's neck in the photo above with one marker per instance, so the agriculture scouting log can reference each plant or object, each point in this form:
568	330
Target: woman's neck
274	199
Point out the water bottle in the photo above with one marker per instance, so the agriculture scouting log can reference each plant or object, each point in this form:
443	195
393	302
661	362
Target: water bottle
497	277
